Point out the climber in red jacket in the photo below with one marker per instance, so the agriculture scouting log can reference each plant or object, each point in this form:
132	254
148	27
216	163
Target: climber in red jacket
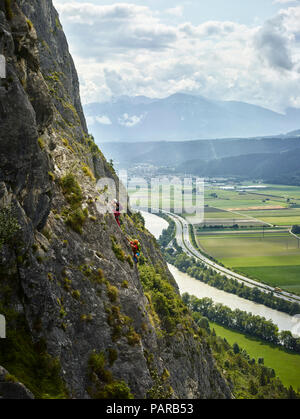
117	212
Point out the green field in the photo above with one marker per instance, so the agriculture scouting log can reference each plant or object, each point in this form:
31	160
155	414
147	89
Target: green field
273	204
286	213
232	203
215	216
282	276
232	199
269	205
272	257
286	217
286	364
219	214
282	221
292	192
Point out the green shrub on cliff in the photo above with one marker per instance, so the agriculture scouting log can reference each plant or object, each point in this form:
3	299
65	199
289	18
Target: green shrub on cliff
88	172
117	249
74	196
9	226
76	220
29	361
71	190
104	385
112	292
166	302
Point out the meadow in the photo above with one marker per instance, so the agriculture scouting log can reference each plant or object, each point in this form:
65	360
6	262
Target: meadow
275	205
243	198
286	364
271	257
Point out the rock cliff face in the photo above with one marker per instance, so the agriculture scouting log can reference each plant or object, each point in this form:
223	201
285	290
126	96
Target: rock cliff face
11	389
82	320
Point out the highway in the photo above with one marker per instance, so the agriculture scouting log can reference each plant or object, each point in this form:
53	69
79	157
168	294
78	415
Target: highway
183	240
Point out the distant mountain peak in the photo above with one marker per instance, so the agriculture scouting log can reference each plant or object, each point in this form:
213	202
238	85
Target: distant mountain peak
134	100
184	116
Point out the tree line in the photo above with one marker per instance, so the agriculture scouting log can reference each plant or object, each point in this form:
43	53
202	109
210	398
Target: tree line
296	229
168	234
241	321
201	272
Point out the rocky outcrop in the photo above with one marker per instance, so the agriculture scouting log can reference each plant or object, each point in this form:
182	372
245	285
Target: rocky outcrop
55	60
10	388
82	320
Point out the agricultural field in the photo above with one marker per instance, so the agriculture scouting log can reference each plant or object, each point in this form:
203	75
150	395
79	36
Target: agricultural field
271	257
240	200
286	364
261	247
292	192
271	206
217	216
285	217
243	198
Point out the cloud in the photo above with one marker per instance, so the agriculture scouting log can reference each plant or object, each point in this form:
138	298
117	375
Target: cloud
285	1
104	120
211	29
129	49
273	46
277	40
114	28
175	11
130	121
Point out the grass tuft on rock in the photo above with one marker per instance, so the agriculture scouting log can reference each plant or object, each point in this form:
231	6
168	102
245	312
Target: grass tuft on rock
76	220
71	190
104	385
29	362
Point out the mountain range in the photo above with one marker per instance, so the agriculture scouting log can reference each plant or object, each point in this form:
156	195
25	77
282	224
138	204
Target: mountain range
184	117
273	159
176	153
279	168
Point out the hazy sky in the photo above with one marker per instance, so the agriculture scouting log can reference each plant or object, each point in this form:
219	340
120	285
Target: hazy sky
246	50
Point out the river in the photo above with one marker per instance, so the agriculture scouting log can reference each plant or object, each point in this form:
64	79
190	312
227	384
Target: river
199	289
154	223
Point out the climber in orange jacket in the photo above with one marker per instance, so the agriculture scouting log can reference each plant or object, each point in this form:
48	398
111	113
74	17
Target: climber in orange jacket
135	247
